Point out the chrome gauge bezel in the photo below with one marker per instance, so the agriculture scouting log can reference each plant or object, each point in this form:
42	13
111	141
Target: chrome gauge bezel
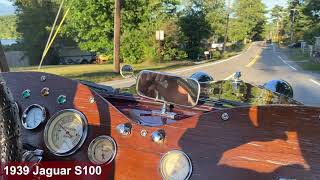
82	139
92	145
181	152
25	115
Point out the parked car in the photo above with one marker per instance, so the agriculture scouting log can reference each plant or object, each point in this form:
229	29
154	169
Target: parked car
295	45
102	59
73	55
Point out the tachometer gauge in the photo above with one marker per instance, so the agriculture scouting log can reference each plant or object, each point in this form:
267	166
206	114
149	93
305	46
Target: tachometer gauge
175	165
102	150
65	132
33	116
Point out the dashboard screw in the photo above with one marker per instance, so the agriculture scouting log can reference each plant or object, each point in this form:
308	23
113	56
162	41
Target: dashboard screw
45	91
43	78
225	116
92	100
144	133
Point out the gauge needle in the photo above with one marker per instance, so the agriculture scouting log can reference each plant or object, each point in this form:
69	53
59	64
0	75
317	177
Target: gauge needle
67	132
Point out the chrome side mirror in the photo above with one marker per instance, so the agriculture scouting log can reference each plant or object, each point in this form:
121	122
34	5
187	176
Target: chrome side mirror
279	86
202	77
127	71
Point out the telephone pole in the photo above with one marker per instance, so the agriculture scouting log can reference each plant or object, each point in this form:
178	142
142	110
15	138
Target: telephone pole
117	31
227	27
292	25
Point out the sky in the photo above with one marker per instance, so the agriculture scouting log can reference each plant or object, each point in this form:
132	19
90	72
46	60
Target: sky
7	8
5	2
271	3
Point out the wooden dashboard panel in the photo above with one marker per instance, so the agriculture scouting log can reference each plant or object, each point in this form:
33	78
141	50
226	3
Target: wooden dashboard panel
255	143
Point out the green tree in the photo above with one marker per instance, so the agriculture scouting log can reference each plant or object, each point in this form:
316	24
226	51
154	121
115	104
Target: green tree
196	28
249	19
216	14
8	26
310	10
34	19
91	26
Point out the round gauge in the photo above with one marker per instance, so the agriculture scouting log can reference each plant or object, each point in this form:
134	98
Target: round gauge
65	132
33	116
175	165
102	150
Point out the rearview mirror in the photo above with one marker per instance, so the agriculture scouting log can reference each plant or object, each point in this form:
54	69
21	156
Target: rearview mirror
168	88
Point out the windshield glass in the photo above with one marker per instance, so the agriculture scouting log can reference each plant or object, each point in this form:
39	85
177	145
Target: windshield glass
90	40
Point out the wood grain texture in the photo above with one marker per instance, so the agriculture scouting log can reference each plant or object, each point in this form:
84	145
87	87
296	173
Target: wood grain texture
255	143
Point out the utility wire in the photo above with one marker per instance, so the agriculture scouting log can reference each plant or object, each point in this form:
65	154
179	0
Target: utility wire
51	40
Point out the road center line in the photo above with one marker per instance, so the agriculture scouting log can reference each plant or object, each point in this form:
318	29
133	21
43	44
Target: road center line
287	63
315	82
255	59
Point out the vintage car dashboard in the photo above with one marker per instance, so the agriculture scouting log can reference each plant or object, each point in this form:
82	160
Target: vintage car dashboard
68	121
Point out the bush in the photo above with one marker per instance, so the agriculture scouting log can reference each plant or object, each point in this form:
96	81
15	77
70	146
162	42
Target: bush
132	48
216	55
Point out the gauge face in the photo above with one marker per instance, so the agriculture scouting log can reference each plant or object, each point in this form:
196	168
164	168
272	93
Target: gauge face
175	165
33	116
102	150
65	132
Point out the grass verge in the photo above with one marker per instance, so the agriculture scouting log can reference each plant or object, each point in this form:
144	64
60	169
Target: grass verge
102	73
302	59
98	73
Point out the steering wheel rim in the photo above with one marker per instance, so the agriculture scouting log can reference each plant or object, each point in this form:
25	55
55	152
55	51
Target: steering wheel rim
10	127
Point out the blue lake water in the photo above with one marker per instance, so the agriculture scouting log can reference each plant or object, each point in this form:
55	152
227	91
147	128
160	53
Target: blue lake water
8	41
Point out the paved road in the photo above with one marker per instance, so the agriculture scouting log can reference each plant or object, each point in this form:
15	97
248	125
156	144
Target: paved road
258	65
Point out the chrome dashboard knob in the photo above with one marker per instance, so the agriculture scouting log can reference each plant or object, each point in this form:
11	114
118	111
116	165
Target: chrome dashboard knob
124	129
158	136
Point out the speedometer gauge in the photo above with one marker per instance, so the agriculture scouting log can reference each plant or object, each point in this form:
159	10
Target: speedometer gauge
102	150
33	116
65	132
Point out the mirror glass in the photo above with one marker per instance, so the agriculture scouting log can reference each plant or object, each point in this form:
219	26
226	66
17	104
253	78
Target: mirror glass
241	93
168	88
127	71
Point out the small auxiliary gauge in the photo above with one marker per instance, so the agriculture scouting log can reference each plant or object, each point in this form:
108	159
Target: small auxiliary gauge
102	150
33	116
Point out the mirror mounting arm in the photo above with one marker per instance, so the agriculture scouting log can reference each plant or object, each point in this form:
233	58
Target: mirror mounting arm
164	108
164	113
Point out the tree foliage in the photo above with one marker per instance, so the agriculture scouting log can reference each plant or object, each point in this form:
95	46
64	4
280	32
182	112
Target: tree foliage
196	29
189	27
8	25
248	21
91	25
302	15
34	19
